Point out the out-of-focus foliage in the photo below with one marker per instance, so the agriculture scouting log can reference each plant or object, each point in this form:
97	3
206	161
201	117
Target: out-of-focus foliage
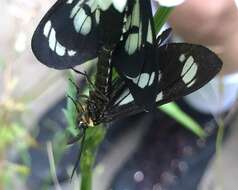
13	134
71	112
72	92
184	119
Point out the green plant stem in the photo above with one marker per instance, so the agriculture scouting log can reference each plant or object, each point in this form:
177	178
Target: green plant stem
173	110
86	178
86	165
94	137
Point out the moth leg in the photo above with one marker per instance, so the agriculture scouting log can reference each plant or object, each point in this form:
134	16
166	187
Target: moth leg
83	96
75	85
78	89
75	139
99	95
118	86
91	83
76	104
86	76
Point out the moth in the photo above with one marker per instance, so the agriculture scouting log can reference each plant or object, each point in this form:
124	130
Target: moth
120	35
118	31
75	31
183	68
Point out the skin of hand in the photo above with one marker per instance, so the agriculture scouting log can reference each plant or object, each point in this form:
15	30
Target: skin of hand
213	23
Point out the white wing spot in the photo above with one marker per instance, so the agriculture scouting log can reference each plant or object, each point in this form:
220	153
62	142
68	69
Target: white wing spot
133	41
127	23
82	22
191	74
149	34
159	75
127	100
187	65
136	14
122	96
47	28
60	50
191	83
87	26
152	78
131	44
119	5
182	58
159	97
92	4
97	16
143	81
104	4
69	1
76	9
71	53
54	44
52	39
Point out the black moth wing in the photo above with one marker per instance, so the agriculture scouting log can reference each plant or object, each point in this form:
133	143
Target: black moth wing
135	57
73	31
183	68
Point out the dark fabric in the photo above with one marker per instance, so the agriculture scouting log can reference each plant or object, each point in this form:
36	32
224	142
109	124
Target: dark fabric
169	156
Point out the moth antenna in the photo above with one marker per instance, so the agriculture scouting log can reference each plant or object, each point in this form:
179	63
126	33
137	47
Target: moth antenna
90	82
78	89
83	96
85	75
80	153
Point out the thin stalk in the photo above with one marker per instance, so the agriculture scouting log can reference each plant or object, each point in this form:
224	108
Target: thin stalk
93	139
86	177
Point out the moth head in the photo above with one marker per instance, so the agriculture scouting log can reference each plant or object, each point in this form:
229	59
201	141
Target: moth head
84	120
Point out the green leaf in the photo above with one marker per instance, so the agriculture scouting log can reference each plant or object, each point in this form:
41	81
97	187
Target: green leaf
180	116
161	17
71	112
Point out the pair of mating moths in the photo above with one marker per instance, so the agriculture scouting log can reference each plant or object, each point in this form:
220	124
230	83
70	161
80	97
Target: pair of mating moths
120	34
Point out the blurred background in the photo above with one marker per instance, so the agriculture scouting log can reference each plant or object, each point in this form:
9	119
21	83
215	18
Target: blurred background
146	151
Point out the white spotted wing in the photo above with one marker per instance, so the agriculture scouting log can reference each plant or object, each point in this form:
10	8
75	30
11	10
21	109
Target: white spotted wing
182	69
135	57
73	31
